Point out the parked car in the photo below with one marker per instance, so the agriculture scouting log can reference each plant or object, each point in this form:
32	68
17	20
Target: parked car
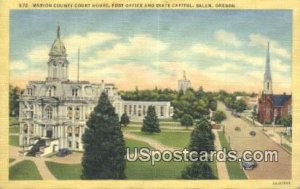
63	152
248	165
252	133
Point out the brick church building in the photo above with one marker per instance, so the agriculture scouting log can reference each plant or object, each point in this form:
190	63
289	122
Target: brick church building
272	107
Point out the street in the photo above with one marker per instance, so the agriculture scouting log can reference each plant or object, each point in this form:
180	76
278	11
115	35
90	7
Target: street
241	141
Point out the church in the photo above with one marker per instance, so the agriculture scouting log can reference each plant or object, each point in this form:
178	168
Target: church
272	107
53	112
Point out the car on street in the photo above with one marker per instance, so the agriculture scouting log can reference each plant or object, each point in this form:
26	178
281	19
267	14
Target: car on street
252	133
248	165
63	152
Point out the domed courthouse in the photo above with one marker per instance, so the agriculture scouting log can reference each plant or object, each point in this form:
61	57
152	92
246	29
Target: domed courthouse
53	113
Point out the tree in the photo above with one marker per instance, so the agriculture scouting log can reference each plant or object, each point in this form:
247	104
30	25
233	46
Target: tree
286	121
14	95
103	143
240	105
202	138
186	120
198	170
151	122
218	116
124	119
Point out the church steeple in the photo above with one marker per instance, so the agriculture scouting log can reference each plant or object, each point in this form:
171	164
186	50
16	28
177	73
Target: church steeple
58	32
267	76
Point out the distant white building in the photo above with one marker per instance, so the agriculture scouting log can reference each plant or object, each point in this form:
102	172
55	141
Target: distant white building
53	113
184	83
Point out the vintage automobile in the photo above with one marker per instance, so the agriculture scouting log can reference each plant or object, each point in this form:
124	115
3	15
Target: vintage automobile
63	152
248	165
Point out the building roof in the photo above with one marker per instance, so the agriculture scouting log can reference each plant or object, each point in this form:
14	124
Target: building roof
279	100
58	48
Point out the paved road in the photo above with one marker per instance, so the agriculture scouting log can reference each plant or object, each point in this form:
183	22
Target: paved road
241	141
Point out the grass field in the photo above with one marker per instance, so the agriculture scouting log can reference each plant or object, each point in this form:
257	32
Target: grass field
24	170
235	171
14	129
173	139
64	171
130	143
134	170
13	121
14	140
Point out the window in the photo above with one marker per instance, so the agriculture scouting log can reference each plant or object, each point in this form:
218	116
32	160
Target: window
70	144
134	109
139	113
130	109
51	91
49	112
25	128
77	113
77	132
77	145
144	110
29	91
75	92
69	131
161	111
70	113
125	109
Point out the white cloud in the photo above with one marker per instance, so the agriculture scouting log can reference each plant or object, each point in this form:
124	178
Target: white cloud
139	45
239	56
39	54
226	67
259	40
227	38
17	65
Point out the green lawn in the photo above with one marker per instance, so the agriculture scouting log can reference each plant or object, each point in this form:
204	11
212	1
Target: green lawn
235	171
14	129
289	148
13	121
130	143
14	140
134	170
173	139
24	170
65	171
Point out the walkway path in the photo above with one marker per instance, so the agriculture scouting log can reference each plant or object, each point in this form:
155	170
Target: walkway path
221	166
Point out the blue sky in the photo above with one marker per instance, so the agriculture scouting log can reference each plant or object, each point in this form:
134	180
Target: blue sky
148	48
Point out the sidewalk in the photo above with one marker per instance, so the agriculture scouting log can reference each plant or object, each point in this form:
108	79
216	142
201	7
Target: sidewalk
221	166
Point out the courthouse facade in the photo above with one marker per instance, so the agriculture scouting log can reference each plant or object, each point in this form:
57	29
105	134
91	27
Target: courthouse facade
53	112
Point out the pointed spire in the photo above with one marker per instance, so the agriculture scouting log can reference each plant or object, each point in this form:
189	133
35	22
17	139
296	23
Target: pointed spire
58	31
268	67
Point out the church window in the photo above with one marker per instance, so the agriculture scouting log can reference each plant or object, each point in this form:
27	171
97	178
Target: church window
54	70
77	145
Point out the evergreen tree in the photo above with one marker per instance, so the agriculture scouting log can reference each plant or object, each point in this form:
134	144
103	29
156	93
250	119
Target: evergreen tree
104	146
202	138
218	116
186	120
124	119
198	170
151	122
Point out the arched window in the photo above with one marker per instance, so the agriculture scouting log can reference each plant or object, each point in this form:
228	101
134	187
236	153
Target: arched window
75	92
51	91
55	70
25	128
49	112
